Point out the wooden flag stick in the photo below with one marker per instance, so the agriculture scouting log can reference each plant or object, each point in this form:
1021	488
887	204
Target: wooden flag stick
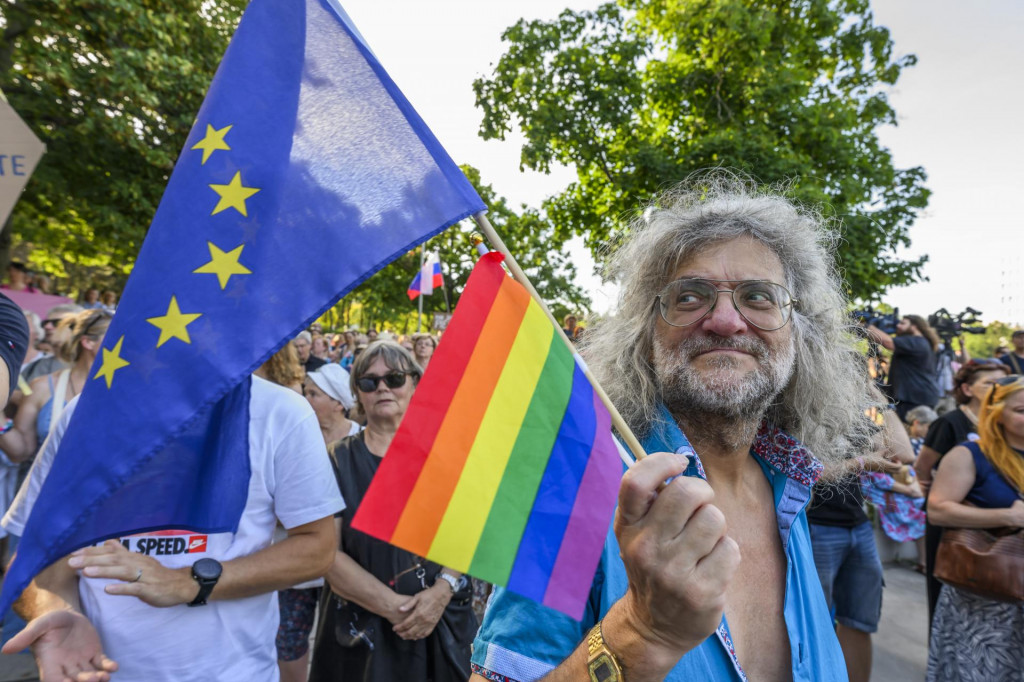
617	421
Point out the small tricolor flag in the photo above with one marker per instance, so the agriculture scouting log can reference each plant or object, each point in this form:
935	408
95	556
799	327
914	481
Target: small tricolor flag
504	466
428	278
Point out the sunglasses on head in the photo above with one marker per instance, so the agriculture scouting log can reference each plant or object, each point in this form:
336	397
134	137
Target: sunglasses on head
1005	381
368	383
94	318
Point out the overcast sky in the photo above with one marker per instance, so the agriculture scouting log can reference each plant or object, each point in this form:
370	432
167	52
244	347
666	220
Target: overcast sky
959	112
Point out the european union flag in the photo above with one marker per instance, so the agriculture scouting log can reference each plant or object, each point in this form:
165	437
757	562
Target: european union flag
306	171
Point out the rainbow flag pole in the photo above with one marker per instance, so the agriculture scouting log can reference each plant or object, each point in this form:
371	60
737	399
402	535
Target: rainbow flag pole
618	423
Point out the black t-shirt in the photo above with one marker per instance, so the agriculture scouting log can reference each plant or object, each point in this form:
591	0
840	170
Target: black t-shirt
13	339
838	504
948	431
913	373
314	363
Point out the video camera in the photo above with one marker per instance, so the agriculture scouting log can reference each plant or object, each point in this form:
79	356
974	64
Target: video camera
885	322
948	326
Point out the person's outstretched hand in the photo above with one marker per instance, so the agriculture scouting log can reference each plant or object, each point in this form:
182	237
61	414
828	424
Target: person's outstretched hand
66	646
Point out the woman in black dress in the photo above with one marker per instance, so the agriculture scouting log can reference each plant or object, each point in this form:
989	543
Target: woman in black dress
390	615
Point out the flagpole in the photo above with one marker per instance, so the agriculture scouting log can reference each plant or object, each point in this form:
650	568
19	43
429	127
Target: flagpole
444	286
419	317
617	421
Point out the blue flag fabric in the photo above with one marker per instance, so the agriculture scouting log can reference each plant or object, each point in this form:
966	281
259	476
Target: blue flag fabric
306	171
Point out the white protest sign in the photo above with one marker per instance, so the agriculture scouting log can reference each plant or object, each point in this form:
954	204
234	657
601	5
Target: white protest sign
20	151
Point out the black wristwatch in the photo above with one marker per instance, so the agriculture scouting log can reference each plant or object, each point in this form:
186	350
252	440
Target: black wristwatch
206	572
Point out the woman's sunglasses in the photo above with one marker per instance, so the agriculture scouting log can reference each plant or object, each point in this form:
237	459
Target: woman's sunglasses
369	382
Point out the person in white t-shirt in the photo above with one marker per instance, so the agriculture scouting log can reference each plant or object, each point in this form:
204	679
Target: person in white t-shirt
121	606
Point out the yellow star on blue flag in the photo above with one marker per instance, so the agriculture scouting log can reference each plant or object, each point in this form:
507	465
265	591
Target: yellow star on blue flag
224	264
112	361
233	195
174	324
212	142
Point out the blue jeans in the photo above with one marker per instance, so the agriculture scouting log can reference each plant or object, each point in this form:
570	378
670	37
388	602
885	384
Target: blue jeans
850	573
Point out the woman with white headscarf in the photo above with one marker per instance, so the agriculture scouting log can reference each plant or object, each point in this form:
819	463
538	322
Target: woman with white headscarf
328	391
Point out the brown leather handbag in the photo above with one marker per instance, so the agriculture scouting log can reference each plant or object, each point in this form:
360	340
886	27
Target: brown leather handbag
988	563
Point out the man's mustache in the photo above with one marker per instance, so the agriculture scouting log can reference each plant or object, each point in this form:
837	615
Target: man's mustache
694	346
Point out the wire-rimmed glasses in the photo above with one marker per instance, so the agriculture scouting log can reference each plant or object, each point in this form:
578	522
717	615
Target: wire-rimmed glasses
765	305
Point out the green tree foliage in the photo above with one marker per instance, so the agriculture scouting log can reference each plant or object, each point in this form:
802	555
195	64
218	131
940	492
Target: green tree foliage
112	88
641	93
531	239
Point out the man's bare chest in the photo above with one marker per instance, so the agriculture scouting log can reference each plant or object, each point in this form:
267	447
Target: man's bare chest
756	600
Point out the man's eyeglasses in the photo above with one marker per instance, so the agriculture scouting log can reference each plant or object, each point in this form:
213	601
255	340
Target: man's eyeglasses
368	383
765	305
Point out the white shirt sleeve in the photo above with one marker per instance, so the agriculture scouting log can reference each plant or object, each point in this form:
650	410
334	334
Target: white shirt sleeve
17	516
305	488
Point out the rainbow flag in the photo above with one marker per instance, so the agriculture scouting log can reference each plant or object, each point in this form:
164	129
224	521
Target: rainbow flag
504	466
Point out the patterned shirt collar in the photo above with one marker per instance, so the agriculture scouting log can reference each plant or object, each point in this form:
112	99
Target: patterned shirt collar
771	445
786	454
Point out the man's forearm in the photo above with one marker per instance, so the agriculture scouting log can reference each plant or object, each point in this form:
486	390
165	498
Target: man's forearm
302	556
641	658
897	445
880	337
55	588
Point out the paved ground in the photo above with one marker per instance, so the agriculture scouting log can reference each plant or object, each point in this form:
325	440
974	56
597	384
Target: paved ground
900	646
901	643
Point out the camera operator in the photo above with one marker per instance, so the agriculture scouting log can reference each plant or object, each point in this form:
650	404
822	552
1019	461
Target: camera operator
912	372
1014	359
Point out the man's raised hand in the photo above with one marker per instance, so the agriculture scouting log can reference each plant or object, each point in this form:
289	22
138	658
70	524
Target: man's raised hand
677	555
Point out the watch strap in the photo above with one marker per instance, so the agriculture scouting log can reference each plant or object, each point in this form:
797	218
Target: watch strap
205	588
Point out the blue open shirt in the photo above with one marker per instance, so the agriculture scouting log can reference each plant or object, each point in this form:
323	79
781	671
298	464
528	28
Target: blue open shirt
522	640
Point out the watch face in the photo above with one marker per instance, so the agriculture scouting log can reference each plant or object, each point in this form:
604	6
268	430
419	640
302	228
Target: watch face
603	670
206	569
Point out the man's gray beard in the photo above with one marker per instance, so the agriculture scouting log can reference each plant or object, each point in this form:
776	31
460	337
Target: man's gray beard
718	396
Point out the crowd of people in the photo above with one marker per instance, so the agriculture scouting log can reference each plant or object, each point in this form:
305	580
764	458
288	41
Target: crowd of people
743	546
21	278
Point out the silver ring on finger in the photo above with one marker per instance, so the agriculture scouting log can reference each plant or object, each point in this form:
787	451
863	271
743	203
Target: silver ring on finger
138	576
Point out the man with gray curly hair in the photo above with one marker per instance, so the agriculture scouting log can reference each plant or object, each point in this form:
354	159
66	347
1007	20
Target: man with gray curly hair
731	329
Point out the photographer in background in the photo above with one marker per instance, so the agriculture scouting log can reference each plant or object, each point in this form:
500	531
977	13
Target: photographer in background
912	372
1014	359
